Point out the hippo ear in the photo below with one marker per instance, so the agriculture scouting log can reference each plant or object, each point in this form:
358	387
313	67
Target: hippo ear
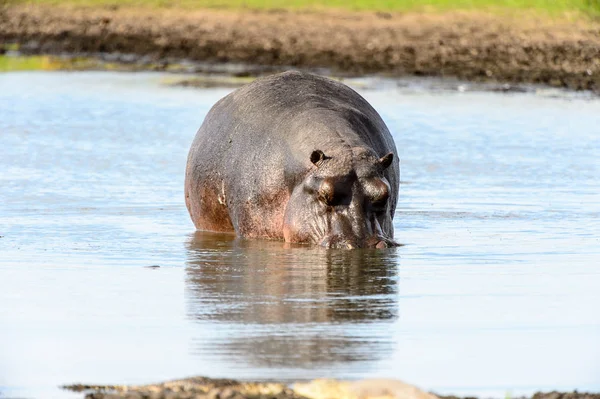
317	157
386	160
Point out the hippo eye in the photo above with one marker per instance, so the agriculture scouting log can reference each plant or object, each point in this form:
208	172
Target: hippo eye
378	192
334	193
326	192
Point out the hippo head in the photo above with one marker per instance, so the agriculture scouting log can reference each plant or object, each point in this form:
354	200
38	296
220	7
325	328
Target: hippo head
345	201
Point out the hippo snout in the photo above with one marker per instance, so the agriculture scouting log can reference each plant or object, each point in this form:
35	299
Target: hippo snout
379	242
338	242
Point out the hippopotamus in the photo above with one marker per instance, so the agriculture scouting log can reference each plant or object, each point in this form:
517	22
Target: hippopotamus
295	157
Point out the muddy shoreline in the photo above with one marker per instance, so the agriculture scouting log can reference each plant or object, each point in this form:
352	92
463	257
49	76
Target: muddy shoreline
207	388
470	46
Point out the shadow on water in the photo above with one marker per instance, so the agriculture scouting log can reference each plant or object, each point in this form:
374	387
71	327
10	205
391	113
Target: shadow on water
297	307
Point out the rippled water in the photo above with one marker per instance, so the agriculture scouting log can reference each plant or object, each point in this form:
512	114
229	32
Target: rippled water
496	290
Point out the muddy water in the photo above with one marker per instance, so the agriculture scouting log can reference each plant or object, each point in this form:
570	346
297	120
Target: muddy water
103	280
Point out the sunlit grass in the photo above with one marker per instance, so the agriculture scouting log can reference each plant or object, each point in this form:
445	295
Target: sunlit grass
34	63
10	63
15	62
546	6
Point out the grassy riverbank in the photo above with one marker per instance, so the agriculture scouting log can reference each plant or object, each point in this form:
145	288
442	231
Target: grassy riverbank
555	43
546	7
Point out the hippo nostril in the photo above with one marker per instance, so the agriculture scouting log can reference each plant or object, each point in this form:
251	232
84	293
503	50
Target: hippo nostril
372	242
379	243
336	242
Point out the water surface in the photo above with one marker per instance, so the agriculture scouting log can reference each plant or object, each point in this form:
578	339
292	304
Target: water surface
495	291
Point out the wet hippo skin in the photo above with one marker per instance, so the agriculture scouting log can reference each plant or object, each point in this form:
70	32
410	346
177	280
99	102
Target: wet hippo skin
296	157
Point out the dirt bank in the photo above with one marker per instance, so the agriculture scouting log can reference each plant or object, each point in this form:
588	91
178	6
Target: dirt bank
471	46
207	388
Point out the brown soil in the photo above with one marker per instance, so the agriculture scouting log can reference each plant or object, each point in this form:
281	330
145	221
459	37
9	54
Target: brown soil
189	388
471	46
207	388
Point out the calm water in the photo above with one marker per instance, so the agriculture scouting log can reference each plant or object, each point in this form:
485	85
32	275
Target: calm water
497	290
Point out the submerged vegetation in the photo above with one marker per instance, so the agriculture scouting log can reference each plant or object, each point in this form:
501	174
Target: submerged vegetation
553	7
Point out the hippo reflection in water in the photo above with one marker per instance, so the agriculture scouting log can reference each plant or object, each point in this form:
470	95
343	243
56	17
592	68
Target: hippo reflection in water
297	157
298	309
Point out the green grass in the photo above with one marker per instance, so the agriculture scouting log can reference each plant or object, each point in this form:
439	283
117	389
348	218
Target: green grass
34	63
10	63
546	6
16	63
